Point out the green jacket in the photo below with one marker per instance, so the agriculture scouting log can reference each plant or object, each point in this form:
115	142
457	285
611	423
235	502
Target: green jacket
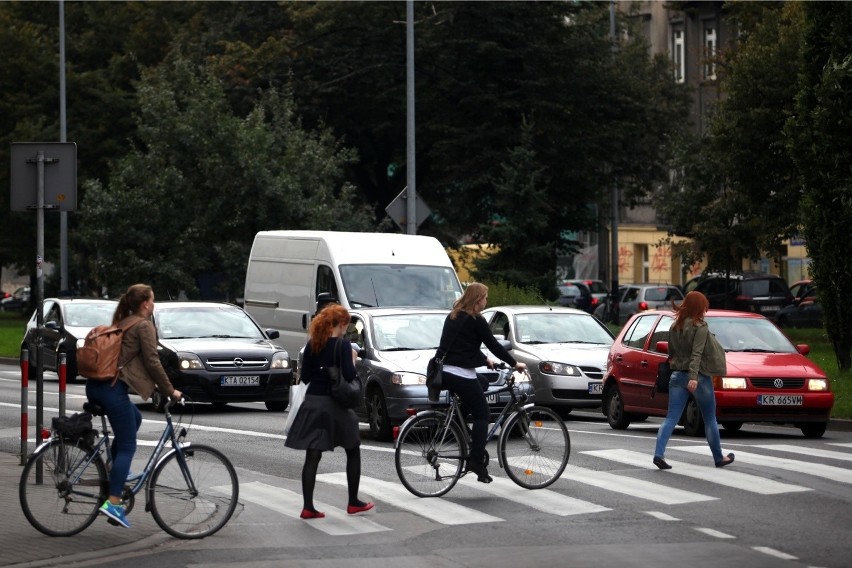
693	348
141	367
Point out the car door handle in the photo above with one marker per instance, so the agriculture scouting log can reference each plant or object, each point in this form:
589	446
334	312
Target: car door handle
643	363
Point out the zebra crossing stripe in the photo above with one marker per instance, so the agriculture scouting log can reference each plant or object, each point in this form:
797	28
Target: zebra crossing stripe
727	477
289	503
543	500
439	510
634	487
807	468
815	452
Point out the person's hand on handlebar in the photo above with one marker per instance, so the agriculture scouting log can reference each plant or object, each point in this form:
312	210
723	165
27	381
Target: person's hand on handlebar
520	367
176	395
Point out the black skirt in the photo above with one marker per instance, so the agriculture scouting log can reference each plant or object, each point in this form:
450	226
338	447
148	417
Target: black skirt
322	424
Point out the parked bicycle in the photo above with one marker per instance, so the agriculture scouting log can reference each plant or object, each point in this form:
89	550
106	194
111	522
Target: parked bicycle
432	449
191	490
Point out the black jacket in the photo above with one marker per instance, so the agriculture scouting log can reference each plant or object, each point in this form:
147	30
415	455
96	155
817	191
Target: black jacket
337	352
462	339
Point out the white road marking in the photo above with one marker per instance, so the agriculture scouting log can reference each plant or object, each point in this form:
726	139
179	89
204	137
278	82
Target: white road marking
637	488
816	452
713	533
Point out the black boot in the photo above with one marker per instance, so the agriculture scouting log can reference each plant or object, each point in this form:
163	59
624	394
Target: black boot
479	467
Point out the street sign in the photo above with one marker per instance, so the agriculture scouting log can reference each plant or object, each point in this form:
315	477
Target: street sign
398	209
60	175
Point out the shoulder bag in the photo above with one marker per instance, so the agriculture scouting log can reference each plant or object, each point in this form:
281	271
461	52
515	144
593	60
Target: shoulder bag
435	371
664	374
346	393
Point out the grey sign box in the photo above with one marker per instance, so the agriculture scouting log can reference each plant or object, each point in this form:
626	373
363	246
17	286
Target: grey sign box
60	175
398	209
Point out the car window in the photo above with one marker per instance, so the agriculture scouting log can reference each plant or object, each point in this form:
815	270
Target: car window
88	314
52	313
597	287
758	287
749	334
198	321
569	290
500	325
355	331
661	332
639	331
662	294
560	328
408	331
630	295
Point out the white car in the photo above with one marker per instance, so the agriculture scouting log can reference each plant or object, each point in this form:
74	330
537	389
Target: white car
564	348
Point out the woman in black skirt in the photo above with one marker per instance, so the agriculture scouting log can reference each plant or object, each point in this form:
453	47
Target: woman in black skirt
321	423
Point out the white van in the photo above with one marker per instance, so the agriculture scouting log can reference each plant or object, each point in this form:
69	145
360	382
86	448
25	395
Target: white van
288	269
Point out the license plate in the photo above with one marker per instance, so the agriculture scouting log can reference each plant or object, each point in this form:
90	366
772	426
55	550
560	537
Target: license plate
491	398
240	381
780	400
595	388
770	308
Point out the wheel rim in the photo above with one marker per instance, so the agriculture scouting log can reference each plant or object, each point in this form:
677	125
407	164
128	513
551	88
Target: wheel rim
615	410
377	413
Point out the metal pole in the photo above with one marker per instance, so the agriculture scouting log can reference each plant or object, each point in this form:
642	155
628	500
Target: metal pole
614	309
25	402
40	297
411	195
63	381
63	215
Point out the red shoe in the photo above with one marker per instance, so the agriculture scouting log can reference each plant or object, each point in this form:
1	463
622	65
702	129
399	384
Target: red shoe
307	514
354	509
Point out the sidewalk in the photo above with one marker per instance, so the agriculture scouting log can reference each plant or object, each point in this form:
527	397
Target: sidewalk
24	546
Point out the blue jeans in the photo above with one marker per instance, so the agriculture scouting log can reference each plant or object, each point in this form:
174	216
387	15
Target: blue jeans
678	397
125	420
473	401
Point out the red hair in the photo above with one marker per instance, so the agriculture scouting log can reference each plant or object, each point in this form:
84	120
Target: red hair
694	306
324	323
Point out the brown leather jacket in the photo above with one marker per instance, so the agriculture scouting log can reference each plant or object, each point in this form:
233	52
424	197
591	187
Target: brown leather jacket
142	369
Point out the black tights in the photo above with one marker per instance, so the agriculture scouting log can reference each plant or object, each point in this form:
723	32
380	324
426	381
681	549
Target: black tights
353	476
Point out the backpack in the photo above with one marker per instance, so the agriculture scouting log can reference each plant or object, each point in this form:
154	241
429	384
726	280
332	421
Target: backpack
75	428
97	359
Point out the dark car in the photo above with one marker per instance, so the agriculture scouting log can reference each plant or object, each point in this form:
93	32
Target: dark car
18	301
763	294
598	289
575	295
395	344
215	352
805	311
66	321
768	378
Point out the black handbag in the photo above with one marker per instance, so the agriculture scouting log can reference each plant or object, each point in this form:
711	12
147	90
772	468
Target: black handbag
664	374
346	393
434	377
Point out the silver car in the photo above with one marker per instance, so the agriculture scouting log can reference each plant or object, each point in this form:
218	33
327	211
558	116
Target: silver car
565	350
635	298
394	345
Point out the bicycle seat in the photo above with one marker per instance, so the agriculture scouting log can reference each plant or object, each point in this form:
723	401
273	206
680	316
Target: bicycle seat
94	408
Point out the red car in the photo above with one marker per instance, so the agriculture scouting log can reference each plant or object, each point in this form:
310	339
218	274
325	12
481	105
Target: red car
769	379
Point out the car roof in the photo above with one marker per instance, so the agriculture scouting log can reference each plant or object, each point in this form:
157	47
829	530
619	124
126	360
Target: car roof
650	285
189	304
537	309
712	313
389	311
82	300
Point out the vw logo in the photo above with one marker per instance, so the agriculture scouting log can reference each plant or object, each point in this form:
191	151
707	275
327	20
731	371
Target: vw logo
778	384
239	363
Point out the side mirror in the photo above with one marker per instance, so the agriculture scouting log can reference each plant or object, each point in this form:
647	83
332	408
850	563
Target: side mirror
272	334
803	348
662	347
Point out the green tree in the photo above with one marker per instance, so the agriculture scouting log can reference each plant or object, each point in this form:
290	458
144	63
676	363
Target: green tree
821	146
201	181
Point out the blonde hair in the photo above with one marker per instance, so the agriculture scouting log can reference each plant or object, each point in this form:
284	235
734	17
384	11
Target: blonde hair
693	306
324	323
468	301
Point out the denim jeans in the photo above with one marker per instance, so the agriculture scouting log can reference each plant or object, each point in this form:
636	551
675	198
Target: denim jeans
473	401
125	419
678	397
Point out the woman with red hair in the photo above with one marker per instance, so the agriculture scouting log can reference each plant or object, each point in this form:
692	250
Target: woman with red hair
695	356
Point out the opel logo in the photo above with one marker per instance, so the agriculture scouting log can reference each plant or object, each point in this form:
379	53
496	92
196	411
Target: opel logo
239	363
778	383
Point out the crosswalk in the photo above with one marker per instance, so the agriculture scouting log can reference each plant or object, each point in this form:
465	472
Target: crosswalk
764	471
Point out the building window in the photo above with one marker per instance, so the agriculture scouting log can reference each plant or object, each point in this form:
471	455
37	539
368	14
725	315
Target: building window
678	56
710	46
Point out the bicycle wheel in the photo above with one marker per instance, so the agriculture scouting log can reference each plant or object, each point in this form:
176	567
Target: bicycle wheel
60	491
535	447
429	458
192	494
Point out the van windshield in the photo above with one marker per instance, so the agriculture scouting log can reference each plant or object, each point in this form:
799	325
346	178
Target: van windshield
386	285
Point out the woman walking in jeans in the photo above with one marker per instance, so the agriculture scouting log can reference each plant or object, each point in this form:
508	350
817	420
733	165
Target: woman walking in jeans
695	356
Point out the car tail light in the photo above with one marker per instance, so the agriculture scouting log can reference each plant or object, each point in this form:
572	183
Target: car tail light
594	301
643	305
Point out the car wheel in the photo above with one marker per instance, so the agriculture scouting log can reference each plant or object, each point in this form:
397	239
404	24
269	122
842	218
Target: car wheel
377	416
276	405
219	406
732	426
615	415
159	402
813	429
693	424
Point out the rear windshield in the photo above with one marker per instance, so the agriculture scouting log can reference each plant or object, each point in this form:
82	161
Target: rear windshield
662	294
765	287
597	287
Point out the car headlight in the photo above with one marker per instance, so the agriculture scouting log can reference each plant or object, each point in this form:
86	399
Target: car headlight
280	360
817	384
554	368
733	383
188	361
408	379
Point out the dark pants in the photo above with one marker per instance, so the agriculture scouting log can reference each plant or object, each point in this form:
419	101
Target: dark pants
125	420
473	400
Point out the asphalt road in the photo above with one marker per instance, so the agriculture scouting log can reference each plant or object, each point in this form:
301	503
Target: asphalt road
785	501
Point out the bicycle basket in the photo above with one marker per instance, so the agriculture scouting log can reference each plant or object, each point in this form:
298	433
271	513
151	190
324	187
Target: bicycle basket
75	428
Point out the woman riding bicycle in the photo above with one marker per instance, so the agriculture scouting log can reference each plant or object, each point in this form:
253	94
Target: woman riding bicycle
141	372
465	330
